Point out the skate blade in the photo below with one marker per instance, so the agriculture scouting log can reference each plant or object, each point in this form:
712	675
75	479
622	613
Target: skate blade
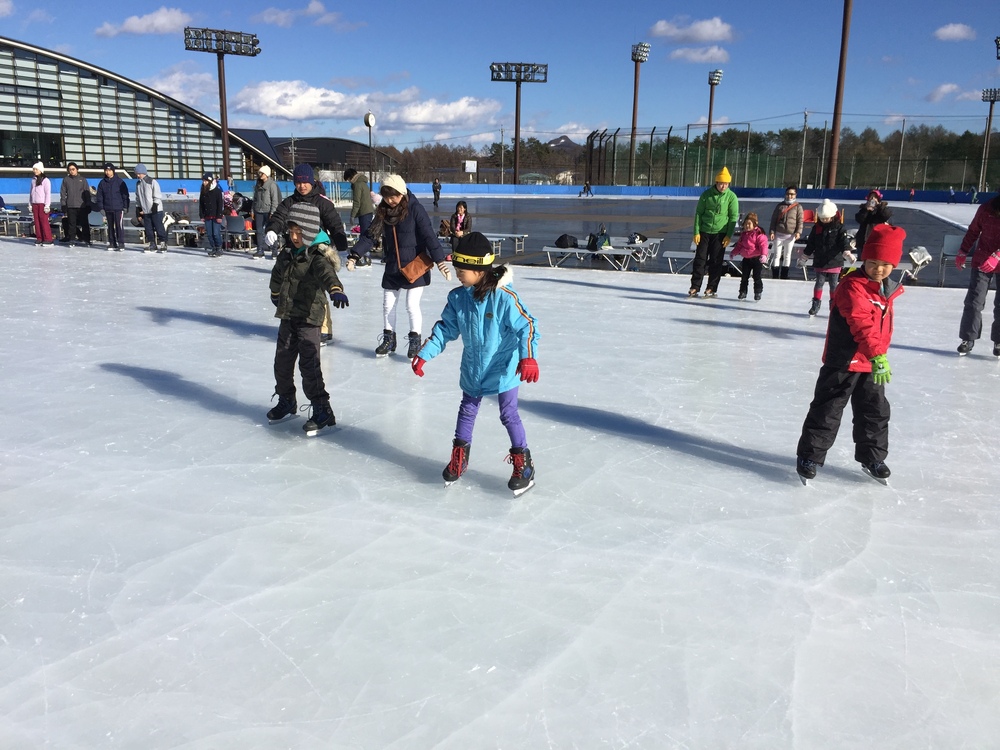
449	484
518	493
880	480
804	480
283	419
317	431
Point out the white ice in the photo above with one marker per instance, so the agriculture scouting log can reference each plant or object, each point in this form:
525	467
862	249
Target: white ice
176	573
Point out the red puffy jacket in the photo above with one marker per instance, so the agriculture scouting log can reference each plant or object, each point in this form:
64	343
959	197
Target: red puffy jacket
860	322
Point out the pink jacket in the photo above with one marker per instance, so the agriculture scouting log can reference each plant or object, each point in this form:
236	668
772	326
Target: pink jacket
41	193
752	244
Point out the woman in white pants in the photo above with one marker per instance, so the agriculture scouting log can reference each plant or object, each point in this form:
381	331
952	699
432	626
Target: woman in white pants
785	229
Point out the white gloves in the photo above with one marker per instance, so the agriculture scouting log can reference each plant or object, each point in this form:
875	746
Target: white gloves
47	209
351	262
271	239
445	271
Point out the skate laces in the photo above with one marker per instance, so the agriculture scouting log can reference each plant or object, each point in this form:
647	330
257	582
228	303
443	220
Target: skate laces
517	461
457	464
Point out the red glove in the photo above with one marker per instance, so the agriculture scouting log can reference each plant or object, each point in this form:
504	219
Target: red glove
990	264
528	370
418	366
960	261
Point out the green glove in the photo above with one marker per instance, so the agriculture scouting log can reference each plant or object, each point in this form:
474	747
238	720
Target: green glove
880	370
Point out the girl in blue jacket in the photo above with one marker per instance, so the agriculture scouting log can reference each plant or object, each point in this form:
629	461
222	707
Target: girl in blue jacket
499	337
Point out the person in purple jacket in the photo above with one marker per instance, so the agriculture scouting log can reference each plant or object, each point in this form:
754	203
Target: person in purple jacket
113	199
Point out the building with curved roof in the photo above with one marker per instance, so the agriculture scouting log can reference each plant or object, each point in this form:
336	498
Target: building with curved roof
56	109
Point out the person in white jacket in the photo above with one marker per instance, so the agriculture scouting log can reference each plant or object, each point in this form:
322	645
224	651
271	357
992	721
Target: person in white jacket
40	198
149	202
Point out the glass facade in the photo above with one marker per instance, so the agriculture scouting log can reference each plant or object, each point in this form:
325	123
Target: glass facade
56	110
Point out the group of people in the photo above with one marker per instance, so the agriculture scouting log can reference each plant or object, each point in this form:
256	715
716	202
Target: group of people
500	335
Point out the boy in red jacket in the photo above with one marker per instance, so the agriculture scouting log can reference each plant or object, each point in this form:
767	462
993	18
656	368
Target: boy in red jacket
854	367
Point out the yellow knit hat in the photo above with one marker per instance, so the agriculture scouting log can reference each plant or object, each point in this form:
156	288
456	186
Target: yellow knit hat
724	176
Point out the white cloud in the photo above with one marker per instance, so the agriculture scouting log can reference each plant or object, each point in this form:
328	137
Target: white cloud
575	131
185	83
970	96
955	32
6	8
315	10
465	112
716	121
939	93
713	54
39	16
697	32
162	21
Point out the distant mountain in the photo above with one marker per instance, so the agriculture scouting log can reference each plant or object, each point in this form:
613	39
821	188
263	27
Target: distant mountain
563	143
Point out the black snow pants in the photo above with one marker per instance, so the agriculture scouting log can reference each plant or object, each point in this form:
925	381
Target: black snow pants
299	340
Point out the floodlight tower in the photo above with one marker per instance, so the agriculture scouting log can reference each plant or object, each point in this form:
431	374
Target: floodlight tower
714	79
519	73
991	96
640	53
222	43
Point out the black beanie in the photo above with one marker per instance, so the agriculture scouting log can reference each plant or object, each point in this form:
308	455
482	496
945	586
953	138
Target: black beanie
474	252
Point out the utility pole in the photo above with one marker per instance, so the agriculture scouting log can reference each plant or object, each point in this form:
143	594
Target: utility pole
501	154
899	165
802	160
831	172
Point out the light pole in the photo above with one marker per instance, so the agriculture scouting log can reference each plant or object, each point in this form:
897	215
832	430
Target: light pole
991	96
838	101
519	73
370	123
714	79
640	53
222	43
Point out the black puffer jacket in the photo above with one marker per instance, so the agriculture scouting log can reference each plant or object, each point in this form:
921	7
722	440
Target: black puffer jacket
329	217
866	219
827	244
300	282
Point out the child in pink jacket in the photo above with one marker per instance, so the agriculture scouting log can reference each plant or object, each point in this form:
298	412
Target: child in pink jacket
752	247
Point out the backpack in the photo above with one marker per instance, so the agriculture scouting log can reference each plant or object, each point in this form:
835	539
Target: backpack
635	238
567	241
599	240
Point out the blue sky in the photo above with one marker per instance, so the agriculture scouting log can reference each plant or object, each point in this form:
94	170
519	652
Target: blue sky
423	67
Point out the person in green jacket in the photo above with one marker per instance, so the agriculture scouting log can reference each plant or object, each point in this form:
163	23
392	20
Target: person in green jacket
714	221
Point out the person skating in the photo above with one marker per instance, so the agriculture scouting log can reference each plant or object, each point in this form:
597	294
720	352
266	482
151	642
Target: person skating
752	247
873	211
829	246
113	199
855	367
984	233
149	199
714	221
301	278
784	231
499	338
40	199
211	210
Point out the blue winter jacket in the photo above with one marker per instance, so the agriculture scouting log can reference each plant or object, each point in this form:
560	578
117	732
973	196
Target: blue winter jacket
496	334
112	195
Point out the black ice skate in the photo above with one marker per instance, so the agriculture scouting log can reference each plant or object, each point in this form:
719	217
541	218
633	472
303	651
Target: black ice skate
806	469
996	350
741	296
386	343
285	408
878	471
459	462
413	348
814	307
965	347
322	416
693	293
522	478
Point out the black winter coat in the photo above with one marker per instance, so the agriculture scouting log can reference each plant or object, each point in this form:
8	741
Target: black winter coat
867	219
827	244
210	204
112	195
407	239
300	283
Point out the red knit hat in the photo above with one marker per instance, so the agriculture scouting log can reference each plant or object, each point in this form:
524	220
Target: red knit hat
885	243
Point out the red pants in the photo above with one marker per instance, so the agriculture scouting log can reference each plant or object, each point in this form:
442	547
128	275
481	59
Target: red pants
43	231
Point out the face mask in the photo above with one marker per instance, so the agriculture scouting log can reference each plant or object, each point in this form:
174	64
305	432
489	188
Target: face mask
789	199
872	203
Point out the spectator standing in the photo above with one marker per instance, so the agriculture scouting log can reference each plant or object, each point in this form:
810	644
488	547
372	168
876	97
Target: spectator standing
585	191
752	247
362	206
149	201
74	199
973	195
714	221
211	210
873	211
951	194
40	199
984	233
266	198
436	187
113	199
405	229
461	223
784	231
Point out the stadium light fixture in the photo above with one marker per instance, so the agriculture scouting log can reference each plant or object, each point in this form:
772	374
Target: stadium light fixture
519	73
714	79
640	53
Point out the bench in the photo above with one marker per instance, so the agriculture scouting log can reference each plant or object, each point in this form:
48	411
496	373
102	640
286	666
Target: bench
497	238
618	254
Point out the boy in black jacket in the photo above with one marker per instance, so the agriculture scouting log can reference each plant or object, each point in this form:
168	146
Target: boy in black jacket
301	278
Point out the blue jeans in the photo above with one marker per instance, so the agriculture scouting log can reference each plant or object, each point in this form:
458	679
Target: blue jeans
213	233
260	224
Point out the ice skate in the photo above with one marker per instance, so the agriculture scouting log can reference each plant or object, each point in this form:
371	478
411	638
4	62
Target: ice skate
710	294
284	409
386	343
413	347
814	307
459	462
878	471
693	293
522	478
741	296
756	298
806	469
996	350
322	416
966	346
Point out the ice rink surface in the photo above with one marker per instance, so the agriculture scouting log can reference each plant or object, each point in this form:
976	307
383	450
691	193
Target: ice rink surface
176	573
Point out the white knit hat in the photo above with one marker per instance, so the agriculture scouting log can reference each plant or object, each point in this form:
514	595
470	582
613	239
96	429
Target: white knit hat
265	170
395	182
39	166
826	210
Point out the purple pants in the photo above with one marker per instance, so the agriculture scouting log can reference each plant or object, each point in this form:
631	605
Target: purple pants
469	409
